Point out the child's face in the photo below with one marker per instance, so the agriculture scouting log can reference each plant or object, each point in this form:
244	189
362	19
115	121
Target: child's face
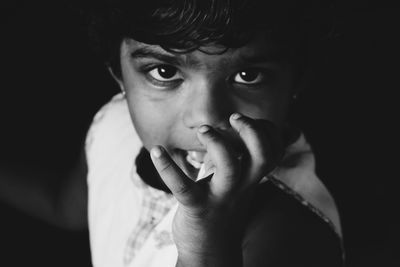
171	95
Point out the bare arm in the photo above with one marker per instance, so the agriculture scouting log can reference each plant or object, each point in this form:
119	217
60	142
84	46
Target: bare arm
285	233
35	192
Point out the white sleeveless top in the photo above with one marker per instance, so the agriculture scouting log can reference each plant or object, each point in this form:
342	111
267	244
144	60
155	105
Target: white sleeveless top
130	222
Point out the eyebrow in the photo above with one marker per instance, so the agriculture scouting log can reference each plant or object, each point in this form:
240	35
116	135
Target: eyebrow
149	52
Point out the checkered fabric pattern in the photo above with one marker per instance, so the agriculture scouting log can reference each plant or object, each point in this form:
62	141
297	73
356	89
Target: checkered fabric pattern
155	205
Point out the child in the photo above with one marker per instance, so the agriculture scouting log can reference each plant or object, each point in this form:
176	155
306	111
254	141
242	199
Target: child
195	162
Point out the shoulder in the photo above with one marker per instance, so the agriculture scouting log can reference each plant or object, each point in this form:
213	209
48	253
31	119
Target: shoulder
283	232
111	118
111	132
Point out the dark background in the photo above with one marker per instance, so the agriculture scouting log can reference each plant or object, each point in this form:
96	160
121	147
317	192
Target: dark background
52	85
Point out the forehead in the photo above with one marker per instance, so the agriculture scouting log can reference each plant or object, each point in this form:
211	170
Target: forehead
258	50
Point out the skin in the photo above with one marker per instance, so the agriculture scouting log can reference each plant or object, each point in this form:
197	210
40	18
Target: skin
222	105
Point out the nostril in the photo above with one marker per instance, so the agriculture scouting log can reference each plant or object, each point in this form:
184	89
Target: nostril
196	119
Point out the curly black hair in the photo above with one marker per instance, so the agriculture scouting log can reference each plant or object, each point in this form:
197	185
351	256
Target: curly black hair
182	26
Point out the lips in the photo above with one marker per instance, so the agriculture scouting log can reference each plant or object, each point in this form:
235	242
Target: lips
190	161
195	158
193	163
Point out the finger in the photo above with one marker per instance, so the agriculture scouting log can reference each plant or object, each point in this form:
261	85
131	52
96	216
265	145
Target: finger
263	144
226	167
181	186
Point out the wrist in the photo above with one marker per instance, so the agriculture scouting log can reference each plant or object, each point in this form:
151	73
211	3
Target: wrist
210	250
207	241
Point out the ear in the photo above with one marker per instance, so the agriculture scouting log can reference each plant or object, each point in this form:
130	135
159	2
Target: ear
118	80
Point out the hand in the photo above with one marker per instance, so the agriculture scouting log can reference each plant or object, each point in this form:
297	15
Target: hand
208	224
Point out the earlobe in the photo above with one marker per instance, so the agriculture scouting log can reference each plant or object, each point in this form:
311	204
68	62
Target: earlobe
118	80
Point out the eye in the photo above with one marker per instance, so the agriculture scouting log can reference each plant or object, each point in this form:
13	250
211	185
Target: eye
164	73
249	76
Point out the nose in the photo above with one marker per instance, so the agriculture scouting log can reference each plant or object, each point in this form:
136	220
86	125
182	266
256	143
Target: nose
208	103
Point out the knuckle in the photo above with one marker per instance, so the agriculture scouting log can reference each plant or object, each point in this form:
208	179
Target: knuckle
181	189
165	166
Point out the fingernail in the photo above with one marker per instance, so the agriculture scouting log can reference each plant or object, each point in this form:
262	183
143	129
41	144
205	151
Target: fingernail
156	151
236	116
204	128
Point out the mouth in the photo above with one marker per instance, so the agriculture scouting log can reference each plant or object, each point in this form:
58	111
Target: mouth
195	158
195	162
190	161
200	161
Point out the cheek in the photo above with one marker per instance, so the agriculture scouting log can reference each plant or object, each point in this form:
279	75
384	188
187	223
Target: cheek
278	113
268	108
153	123
277	105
